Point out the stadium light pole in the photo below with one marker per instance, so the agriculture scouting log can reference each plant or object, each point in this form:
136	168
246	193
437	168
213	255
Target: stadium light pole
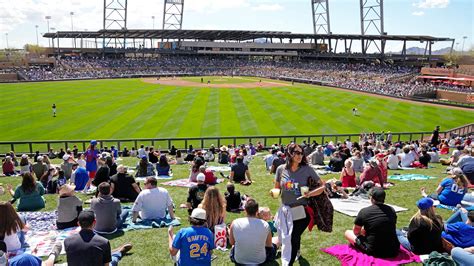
463	40
47	20
72	21
6	37
37	39
153	18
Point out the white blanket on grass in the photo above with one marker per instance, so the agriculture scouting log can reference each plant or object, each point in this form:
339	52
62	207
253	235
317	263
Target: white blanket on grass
353	205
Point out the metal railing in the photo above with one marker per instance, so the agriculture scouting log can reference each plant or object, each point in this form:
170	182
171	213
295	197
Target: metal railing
43	146
460	131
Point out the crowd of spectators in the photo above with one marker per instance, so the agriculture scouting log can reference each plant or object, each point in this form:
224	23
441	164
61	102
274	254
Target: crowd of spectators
374	78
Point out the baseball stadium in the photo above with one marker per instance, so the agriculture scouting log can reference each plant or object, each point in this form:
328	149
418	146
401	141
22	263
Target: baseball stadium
181	146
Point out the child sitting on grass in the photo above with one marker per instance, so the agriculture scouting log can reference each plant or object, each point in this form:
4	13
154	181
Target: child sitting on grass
265	214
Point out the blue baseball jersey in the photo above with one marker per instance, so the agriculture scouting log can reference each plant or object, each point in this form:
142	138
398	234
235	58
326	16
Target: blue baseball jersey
195	245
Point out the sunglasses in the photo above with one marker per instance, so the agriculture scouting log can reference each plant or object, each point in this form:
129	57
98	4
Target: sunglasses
297	153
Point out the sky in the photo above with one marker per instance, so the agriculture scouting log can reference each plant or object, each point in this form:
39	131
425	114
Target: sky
440	18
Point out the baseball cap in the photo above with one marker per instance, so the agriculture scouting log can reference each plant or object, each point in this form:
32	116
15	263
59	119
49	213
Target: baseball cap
424	203
39	158
456	171
24	156
199	214
201	177
66	157
93	142
378	194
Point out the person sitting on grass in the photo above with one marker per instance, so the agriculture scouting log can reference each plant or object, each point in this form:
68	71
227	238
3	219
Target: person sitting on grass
123	185
144	168
108	211
348	176
424	159
40	168
317	156
279	160
8	166
163	167
152	202
335	190
374	231
251	238
29	194
424	230
194	243
265	214
407	158
196	193
233	199
69	207
461	233
357	162
451	190
239	172
215	206
195	169
336	163
88	248
463	256
12	228
103	173
371	173
25	165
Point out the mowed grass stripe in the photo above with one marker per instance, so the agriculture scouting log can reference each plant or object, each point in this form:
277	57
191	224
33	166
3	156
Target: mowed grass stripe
228	120
192	123
210	125
247	122
175	122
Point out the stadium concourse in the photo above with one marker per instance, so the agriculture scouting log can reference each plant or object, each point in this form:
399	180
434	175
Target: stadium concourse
399	81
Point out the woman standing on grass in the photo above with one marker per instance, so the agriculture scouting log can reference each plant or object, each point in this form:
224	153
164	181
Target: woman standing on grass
214	204
292	179
29	193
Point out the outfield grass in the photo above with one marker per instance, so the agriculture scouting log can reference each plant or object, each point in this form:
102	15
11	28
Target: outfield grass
130	108
221	79
150	246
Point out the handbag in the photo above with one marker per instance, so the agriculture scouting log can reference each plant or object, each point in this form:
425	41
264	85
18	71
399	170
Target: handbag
323	211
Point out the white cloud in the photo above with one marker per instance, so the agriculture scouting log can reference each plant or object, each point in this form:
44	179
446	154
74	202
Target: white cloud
418	13
212	6
432	4
267	7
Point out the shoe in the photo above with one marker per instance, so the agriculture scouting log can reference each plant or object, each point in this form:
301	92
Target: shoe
56	250
125	248
223	176
298	255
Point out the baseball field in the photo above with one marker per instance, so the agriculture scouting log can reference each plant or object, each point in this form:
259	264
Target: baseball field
185	107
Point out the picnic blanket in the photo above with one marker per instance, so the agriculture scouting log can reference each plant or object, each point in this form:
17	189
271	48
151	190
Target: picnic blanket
185	183
348	255
41	243
353	205
40	221
410	177
219	168
158	177
148	224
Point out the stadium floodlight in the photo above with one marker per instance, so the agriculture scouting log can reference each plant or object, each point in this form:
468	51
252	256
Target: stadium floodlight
321	16
173	14
153	18
372	23
115	18
37	39
463	40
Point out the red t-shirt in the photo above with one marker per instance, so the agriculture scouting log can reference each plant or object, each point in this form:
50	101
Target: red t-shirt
210	178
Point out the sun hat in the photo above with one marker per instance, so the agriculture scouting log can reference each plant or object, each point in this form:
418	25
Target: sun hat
424	203
24	156
456	171
199	214
201	177
67	189
223	148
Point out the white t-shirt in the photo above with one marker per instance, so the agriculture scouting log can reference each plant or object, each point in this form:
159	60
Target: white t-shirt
250	236
406	160
392	161
81	163
13	242
434	157
152	203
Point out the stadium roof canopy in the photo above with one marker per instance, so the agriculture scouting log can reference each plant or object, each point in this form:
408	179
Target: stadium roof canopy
229	35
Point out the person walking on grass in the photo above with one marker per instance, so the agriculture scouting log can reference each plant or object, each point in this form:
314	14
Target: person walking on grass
54	109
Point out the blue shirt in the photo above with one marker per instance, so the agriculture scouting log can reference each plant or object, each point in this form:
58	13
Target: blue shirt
451	194
91	160
459	234
195	245
24	260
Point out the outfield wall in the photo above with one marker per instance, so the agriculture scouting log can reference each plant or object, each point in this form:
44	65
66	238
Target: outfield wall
461	97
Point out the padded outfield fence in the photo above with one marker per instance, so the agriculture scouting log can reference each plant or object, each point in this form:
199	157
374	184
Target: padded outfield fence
164	144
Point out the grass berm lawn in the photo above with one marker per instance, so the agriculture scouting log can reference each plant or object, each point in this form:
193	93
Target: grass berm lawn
151	246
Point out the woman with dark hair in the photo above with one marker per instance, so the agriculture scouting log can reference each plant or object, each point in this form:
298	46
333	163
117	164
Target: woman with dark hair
144	168
179	158
163	167
153	155
29	193
11	226
103	173
195	169
173	151
293	180
109	160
